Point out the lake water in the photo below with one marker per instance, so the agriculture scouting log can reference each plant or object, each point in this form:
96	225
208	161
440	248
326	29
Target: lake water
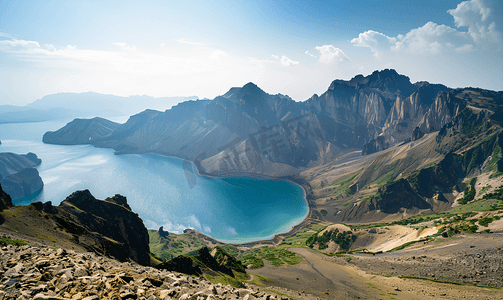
232	209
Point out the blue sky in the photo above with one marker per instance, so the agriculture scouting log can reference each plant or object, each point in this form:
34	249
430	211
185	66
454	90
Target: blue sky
184	48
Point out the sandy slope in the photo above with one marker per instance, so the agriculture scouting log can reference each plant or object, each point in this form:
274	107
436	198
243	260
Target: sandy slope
389	237
335	278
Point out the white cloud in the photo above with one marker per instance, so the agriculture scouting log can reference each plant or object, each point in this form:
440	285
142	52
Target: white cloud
481	17
194	222
310	54
285	61
124	46
330	54
465	48
275	56
231	231
433	38
207	229
185	41
3	34
376	41
217	54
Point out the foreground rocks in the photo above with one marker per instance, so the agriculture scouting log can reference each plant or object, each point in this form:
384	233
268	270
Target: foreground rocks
38	272
81	222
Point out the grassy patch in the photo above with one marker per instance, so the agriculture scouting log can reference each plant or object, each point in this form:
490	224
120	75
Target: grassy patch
225	280
256	279
8	241
373	286
469	192
484	189
300	238
406	245
274	255
46	236
449	282
174	245
486	221
276	292
343	185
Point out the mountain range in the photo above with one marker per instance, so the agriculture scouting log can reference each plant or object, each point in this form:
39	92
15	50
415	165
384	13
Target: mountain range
397	127
82	105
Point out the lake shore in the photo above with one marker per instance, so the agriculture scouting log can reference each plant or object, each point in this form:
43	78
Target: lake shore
278	237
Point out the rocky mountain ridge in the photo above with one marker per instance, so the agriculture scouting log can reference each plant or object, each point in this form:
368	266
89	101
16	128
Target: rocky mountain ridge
82	222
248	130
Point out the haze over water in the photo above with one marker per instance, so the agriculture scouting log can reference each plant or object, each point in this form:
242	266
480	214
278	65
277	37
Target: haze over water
233	209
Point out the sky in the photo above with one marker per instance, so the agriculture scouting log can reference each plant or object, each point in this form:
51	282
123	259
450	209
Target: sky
203	48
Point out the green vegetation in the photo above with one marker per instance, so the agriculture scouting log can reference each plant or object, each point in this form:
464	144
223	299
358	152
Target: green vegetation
256	279
388	177
173	245
300	238
469	192
8	241
225	280
488	220
221	256
497	194
496	159
276	292
406	245
46	236
274	255
485	189
343	185
449	282
343	239
324	212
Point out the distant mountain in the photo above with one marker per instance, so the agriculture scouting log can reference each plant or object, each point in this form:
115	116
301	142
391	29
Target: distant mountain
71	105
248	130
18	176
81	131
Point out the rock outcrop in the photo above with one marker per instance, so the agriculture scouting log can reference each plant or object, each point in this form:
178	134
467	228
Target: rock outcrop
84	223
113	219
5	200
205	262
18	176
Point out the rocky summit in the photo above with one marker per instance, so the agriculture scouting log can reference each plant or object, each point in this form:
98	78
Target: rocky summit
43	273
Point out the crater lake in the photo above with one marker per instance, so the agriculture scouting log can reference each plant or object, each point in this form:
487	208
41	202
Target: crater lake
230	209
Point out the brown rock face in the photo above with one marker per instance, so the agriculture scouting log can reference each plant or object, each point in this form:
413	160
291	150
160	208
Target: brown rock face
112	219
5	200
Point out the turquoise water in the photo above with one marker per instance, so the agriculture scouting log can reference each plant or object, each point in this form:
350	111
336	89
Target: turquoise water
232	209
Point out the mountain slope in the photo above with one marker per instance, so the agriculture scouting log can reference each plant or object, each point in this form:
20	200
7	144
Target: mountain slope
81	131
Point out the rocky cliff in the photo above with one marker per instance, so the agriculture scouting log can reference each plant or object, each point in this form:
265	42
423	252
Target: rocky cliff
82	222
5	200
18	176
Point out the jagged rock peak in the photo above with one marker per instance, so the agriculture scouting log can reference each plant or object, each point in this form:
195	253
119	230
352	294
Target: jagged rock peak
387	79
249	89
119	200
